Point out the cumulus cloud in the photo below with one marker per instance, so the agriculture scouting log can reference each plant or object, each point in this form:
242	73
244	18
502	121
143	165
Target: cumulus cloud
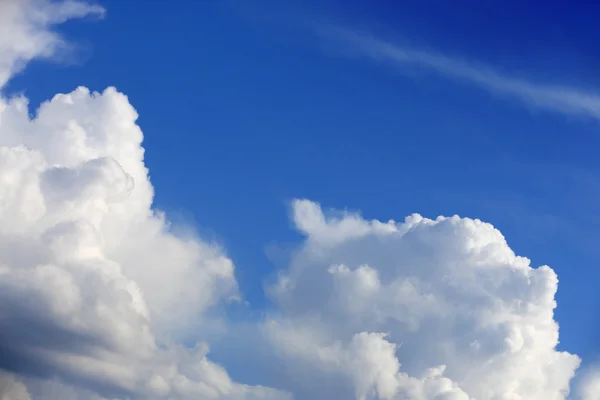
562	99
93	284
81	247
420	309
95	288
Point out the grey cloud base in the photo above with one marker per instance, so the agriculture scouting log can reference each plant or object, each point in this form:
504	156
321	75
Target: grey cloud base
95	287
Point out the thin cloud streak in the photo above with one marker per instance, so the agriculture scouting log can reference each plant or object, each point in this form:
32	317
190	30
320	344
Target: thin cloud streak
562	99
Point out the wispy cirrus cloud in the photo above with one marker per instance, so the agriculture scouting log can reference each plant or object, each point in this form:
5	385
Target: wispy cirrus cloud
562	99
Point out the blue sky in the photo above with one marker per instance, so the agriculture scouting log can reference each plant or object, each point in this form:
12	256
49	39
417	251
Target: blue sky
245	107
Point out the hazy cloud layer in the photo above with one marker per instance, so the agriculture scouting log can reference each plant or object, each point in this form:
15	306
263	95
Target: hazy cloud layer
562	99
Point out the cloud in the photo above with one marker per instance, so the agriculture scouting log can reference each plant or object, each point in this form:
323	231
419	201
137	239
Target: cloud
12	389
562	99
94	286
589	385
26	30
82	249
420	309
96	289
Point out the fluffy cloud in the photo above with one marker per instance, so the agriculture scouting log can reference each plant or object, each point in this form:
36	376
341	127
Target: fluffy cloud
93	284
96	289
423	309
81	248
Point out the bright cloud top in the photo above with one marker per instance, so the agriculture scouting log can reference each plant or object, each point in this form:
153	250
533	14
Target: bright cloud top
95	287
91	280
423	309
561	99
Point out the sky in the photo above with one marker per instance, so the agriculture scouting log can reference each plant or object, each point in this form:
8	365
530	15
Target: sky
299	199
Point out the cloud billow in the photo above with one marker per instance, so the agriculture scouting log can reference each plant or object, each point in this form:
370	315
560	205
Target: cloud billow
92	281
95	287
421	309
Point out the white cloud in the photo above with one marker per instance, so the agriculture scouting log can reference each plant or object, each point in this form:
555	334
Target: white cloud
25	30
95	288
562	99
367	362
463	316
82	251
93	284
